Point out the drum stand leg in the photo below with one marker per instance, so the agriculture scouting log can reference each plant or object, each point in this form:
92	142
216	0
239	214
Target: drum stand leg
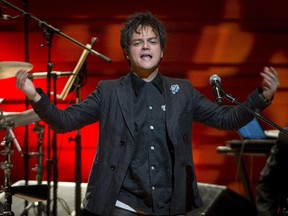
7	167
40	206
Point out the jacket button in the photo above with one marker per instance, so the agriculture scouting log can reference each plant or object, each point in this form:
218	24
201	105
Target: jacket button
122	143
112	167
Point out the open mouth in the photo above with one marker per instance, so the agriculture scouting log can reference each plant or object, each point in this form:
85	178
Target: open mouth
146	56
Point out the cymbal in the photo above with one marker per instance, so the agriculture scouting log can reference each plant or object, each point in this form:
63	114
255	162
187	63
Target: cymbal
8	69
20	118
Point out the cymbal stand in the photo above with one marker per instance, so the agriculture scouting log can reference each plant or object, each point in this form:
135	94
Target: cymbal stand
39	129
7	166
51	163
78	162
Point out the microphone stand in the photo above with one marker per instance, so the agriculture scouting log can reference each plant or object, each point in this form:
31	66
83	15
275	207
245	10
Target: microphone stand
78	161
256	114
51	164
58	31
26	140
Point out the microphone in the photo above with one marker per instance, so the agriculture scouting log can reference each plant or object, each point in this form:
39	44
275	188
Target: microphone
215	81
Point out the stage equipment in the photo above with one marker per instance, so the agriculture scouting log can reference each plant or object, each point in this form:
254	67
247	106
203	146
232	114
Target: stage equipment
8	69
36	75
75	79
256	114
76	70
20	118
219	200
32	193
38	206
52	29
48	32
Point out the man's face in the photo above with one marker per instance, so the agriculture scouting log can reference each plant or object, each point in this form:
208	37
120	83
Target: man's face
144	52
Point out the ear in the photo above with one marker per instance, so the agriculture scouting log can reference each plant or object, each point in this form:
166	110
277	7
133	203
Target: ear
162	53
126	54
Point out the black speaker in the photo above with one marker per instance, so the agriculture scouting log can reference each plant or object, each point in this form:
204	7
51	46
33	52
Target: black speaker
221	201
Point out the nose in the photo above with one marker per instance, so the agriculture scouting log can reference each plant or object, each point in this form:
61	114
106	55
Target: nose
145	45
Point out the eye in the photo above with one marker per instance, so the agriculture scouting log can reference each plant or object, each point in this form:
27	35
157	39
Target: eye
154	41
137	43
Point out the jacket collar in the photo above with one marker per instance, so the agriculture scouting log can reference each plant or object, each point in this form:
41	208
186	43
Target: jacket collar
138	83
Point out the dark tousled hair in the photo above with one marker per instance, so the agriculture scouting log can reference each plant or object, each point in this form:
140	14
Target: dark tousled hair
142	19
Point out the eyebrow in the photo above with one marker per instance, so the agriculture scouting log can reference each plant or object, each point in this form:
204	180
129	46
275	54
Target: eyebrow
151	38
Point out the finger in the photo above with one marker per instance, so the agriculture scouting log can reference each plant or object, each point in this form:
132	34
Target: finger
18	78
276	76
21	77
270	74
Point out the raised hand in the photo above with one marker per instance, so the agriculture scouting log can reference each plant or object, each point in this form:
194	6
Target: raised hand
26	85
270	82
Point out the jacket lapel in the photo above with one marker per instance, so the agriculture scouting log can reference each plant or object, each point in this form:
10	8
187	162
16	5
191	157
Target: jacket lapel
125	98
172	104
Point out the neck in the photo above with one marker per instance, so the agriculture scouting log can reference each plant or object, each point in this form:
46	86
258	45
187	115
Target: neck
147	77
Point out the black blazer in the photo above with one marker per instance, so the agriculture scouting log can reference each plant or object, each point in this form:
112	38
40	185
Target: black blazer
112	105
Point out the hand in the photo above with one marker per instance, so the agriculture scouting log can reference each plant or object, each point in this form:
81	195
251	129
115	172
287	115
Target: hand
270	82
26	85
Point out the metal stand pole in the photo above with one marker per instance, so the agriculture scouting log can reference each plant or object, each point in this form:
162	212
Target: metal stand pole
7	167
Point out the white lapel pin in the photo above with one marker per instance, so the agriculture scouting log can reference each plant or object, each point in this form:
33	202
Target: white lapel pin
174	88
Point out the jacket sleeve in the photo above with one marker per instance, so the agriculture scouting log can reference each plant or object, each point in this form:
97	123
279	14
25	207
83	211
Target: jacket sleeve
72	117
227	117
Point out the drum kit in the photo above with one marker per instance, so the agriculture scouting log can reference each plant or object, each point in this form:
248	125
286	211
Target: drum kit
8	121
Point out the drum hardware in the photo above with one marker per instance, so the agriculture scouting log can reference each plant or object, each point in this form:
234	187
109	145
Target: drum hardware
7	166
39	206
9	69
48	32
36	75
39	129
10	137
31	193
20	118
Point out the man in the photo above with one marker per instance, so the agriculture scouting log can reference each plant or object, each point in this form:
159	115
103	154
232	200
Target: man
272	188
143	163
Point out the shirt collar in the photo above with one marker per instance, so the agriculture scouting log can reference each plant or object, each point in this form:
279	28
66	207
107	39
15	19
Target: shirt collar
138	83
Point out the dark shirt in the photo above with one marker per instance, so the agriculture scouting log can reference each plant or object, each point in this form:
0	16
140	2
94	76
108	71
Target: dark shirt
147	186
